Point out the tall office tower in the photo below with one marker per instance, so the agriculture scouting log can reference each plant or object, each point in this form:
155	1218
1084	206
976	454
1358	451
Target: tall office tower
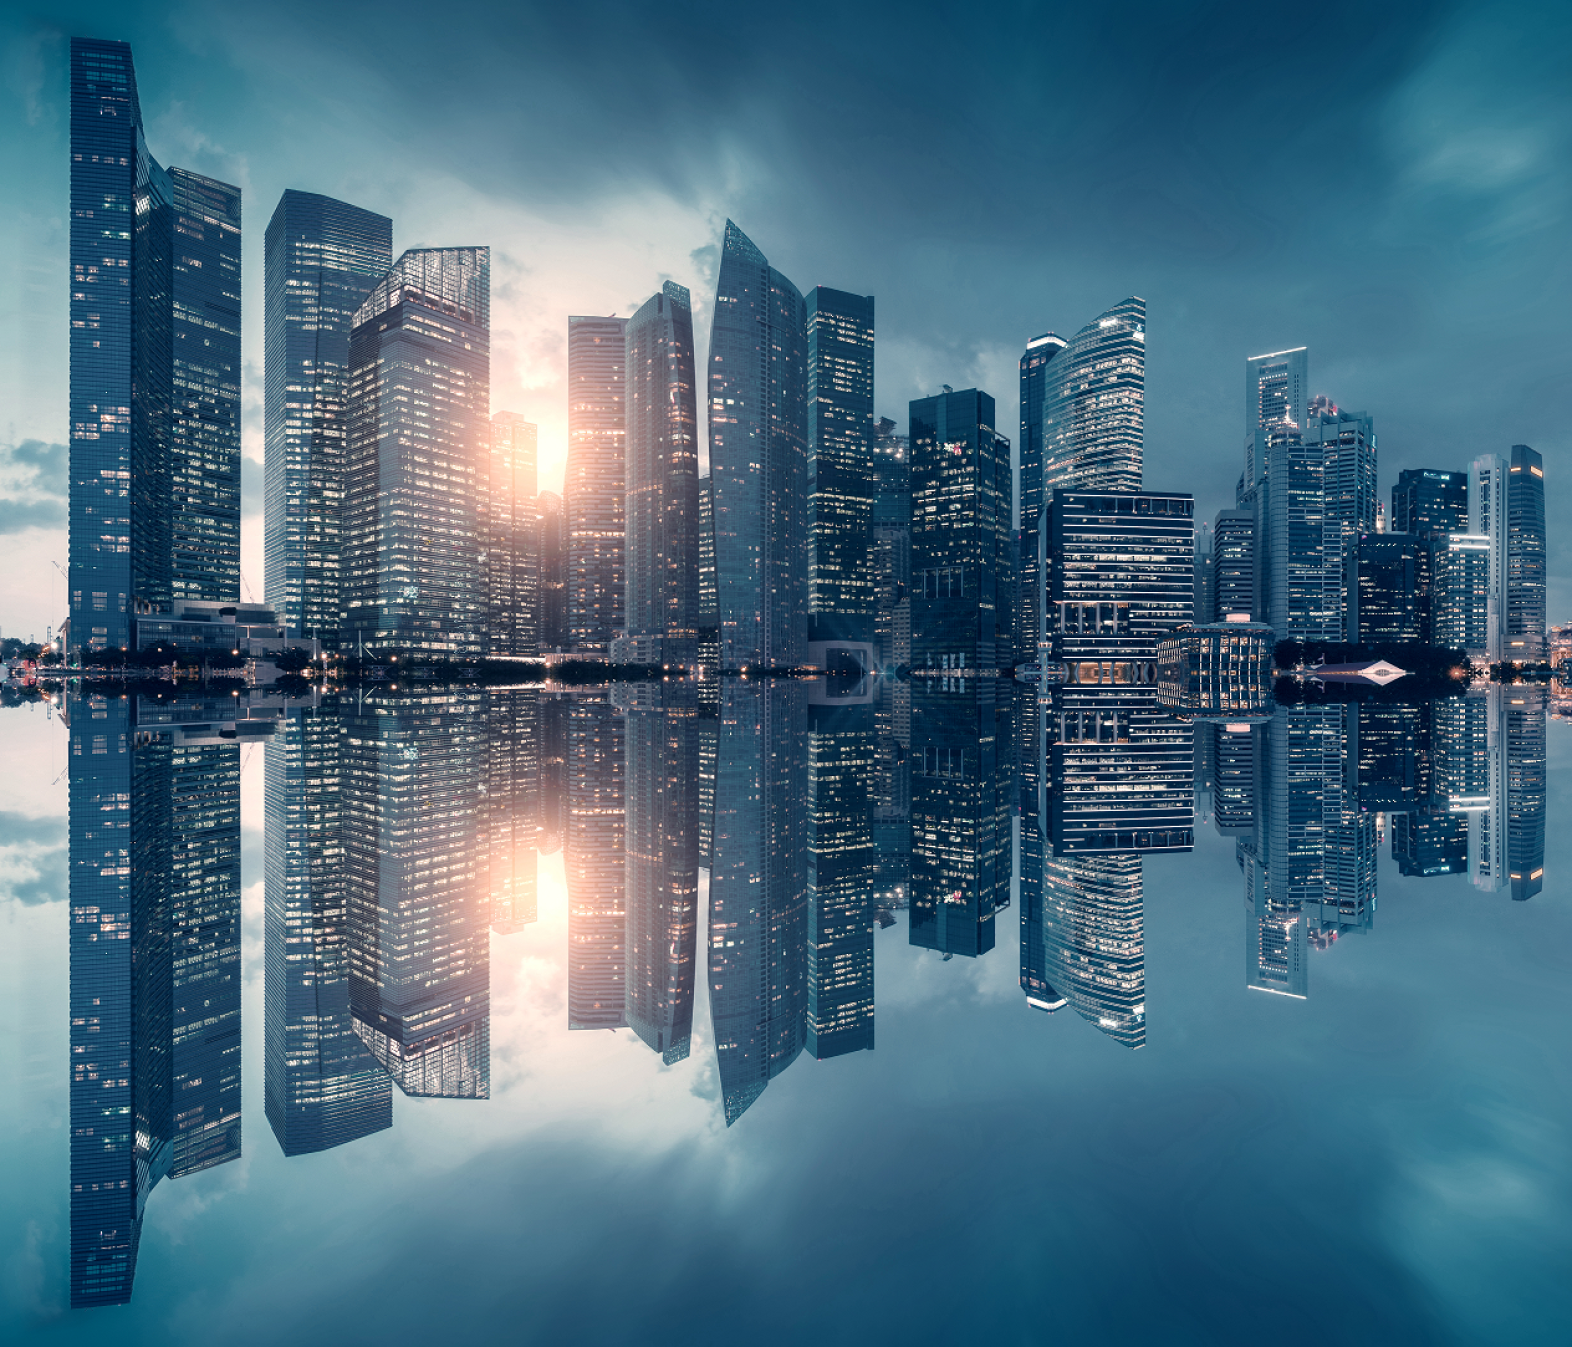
1205	572
510	541
840	468
960	534
323	258
1501	745
112	1168
1093	957
155	367
1320	495
509	825
419	439
322	1086
662	475
662	865
419	919
1233	567
594	522
840	874
1459	599
553	555
890	547
758	426
709	620
1384	586
1277	395
1093	404
1034	504
593	856
553	773
758	924
1524	637
1487	518
960	819
1429	503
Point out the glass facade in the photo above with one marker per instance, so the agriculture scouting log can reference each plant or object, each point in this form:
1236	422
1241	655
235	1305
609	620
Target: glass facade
757	387
890	547
1277	395
594	856
510	807
1233	566
419	441
840	470
1429	503
1524	638
511	561
961	546
323	258
1094	404
1029	575
1385	587
594	521
553	552
662	474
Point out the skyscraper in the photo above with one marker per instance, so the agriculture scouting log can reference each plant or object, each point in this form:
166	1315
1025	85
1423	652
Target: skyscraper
840	470
323	258
1429	503
155	367
594	522
1233	566
594	857
419	916
322	1086
891	545
709	620
840	878
1524	638
419	442
1385	574
662	474
1094	404
1277	395
1029	576
757	391
961	560
510	541
662	863
553	572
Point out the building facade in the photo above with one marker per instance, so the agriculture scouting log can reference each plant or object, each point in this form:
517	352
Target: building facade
593	484
1033	503
1429	503
511	538
322	259
1094	420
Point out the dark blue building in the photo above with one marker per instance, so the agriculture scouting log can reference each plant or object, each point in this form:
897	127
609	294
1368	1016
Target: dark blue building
1029	577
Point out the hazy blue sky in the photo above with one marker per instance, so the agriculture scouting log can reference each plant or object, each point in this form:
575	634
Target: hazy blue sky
1388	185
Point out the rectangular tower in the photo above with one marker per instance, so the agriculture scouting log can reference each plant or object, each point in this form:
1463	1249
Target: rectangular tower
1428	503
1524	638
961	505
840	471
323	258
594	523
1277	395
1028	579
511	540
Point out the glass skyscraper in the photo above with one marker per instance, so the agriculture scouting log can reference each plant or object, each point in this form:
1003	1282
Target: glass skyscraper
155	367
512	538
594	522
1524	638
1093	933
891	546
419	441
662	476
1429	503
323	258
1029	575
840	472
594	856
961	562
1094	404
553	555
1277	394
757	389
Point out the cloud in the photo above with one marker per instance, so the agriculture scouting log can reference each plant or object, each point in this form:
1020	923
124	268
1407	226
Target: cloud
16	516
34	862
47	461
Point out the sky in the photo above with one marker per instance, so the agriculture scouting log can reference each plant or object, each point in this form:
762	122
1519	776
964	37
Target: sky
1387	185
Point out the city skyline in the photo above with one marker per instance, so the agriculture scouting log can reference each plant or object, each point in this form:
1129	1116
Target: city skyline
983	337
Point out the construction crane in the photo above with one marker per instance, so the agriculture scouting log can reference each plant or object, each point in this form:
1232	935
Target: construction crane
250	597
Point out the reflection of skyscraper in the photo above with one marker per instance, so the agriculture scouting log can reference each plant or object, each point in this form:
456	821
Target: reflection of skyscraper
420	970
509	825
1506	845
757	390
1094	418
594	522
758	883
419	441
1094	947
593	856
323	1087
155	966
840	878
553	773
323	257
662	609
662	865
960	819
155	367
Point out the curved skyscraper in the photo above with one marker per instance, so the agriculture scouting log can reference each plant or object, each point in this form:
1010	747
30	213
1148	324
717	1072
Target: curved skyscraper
1094	404
662	610
758	428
